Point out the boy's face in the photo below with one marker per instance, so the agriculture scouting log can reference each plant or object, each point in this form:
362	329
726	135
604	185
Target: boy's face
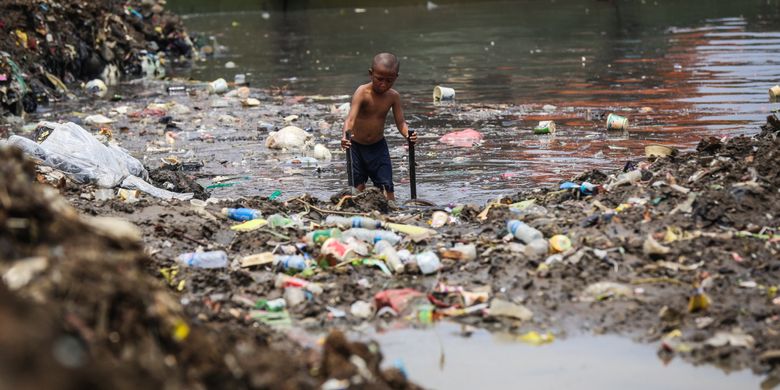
382	78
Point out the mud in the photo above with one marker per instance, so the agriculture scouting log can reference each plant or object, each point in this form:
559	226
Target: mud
177	181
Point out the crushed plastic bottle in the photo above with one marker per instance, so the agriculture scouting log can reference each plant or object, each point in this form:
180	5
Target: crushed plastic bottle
355	222
523	232
241	214
215	259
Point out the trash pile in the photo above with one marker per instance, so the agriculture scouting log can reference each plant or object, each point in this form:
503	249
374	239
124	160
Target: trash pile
79	310
51	45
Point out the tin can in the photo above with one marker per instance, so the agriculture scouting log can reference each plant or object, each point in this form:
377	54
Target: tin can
617	122
545	127
441	94
774	93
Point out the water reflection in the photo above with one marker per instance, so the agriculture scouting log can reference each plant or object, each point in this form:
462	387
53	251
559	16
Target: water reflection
440	357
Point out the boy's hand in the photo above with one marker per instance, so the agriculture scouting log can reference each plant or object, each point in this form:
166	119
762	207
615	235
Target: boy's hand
345	144
412	137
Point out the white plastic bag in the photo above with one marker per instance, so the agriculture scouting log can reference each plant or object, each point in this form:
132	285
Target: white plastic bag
136	183
71	149
106	166
290	137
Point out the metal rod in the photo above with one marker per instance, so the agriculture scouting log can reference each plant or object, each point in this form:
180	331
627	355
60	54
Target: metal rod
412	173
350	177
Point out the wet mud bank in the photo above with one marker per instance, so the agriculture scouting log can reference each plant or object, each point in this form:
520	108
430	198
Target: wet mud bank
680	251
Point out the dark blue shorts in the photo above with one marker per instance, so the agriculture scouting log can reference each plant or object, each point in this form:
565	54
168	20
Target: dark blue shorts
372	161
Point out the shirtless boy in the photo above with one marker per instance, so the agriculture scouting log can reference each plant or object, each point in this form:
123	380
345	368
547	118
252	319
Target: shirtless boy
370	105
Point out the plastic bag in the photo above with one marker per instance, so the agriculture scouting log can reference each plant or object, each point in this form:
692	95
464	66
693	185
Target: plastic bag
71	149
465	138
136	183
290	137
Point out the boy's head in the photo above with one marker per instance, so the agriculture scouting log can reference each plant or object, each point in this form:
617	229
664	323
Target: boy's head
384	72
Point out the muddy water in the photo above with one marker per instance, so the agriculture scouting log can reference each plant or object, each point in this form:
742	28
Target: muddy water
442	358
678	70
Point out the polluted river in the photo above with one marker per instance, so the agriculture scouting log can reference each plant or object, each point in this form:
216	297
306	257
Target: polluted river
666	279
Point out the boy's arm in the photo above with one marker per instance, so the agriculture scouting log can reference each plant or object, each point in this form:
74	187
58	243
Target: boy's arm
400	122
350	121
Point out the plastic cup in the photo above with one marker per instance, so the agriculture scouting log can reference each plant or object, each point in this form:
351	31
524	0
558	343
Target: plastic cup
218	86
774	93
617	122
443	94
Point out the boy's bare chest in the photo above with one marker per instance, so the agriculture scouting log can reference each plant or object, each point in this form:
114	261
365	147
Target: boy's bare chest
378	107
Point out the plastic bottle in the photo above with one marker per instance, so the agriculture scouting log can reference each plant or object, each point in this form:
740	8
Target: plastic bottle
372	236
216	259
523	232
291	262
587	188
277	304
317	237
356	222
241	214
387	252
627	178
428	262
